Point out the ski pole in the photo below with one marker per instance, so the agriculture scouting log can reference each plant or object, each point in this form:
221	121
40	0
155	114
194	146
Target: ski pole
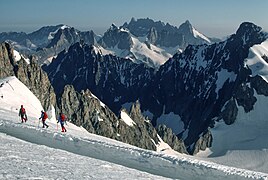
10	85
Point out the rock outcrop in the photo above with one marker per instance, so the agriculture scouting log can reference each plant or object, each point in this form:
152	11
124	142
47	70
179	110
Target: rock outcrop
171	139
203	142
29	74
86	110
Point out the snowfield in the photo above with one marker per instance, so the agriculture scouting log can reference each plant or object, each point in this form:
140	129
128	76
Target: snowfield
77	154
24	160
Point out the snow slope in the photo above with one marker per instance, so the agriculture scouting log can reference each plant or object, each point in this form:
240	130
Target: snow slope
85	155
256	62
140	51
24	160
243	144
200	35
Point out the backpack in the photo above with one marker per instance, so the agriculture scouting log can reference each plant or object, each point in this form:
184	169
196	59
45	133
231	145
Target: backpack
45	115
22	111
62	117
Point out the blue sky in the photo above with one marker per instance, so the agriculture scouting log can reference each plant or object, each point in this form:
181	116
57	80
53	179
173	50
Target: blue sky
216	18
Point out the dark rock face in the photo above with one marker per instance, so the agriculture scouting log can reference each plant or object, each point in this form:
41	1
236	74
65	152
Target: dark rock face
88	37
265	58
113	79
29	74
61	41
202	84
260	85
229	112
245	97
41	37
7	62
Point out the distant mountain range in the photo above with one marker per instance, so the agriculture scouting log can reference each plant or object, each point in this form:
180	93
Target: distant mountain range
142	41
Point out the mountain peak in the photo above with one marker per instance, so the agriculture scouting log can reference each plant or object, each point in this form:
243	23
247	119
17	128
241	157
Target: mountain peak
248	27
132	20
186	27
249	32
187	22
113	27
190	32
64	26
